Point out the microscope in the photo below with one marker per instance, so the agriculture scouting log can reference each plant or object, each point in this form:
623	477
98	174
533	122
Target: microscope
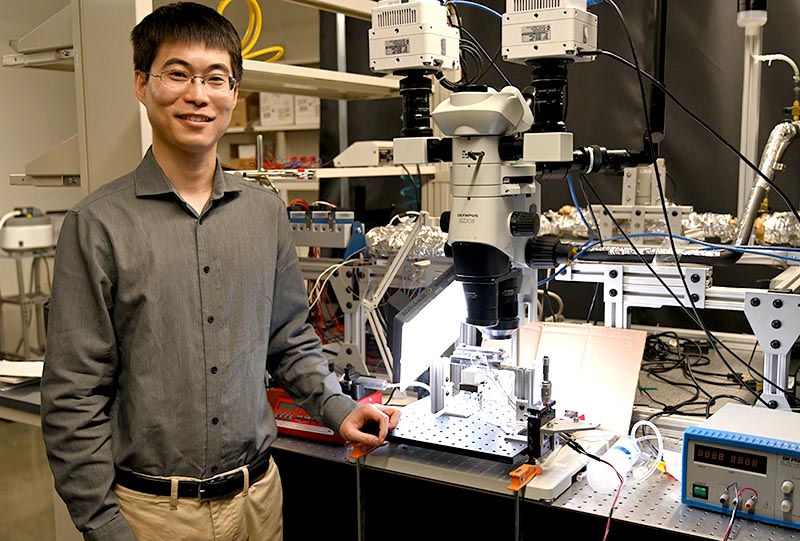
501	145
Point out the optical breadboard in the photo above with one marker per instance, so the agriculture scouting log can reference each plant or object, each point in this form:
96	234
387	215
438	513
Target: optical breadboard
745	446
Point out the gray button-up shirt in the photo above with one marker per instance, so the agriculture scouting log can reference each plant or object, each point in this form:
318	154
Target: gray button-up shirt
162	327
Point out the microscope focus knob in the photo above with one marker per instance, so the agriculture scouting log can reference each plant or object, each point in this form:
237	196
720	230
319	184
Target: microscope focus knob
444	221
523	224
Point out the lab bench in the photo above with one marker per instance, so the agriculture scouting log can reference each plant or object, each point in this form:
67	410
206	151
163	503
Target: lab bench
402	491
409	491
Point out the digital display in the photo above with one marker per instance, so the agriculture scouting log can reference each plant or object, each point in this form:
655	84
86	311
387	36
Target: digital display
289	406
730	459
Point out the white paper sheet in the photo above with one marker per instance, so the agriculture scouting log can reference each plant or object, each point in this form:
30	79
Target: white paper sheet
21	369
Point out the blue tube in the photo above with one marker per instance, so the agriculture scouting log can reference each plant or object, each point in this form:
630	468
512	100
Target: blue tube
578	208
755	250
475	5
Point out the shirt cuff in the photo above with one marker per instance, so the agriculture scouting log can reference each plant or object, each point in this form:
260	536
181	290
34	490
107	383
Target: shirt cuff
116	529
336	409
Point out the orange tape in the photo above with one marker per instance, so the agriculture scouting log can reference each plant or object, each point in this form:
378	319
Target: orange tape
359	450
523	475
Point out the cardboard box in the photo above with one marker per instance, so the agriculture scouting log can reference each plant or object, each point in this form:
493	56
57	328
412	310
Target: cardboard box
243	150
253	108
306	111
594	370
240	164
239	115
276	109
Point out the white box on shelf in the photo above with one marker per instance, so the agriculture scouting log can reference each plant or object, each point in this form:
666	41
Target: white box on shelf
276	109
306	111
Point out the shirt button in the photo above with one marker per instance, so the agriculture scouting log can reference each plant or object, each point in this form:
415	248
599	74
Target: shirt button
211	319
206	269
214	421
213	369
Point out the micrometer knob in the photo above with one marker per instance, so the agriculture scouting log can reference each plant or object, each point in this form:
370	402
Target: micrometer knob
523	224
444	221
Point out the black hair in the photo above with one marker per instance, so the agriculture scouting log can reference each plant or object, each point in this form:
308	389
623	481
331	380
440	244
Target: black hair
185	22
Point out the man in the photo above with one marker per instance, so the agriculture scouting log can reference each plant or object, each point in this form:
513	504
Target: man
176	291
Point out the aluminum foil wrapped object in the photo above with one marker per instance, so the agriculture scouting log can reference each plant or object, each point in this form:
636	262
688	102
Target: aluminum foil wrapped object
548	224
565	222
386	240
704	225
660	253
781	229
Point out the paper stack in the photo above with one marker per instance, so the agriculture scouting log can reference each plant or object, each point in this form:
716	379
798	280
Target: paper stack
18	373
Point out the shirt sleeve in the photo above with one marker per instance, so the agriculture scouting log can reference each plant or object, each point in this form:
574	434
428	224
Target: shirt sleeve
79	379
295	357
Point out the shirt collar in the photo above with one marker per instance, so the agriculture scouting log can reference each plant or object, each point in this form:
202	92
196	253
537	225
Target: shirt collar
150	180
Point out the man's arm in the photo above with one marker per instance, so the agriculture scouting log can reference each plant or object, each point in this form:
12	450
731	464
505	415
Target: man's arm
295	354
78	383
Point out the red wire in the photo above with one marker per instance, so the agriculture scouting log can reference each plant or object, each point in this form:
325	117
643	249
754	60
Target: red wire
733	513
616	498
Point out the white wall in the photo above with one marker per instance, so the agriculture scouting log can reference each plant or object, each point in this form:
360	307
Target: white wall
37	108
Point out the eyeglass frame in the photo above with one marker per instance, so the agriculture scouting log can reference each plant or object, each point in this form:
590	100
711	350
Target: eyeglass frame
232	82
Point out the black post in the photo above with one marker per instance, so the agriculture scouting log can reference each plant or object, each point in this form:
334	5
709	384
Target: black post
657	98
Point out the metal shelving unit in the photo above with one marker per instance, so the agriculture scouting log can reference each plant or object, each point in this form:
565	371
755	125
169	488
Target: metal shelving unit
114	133
336	85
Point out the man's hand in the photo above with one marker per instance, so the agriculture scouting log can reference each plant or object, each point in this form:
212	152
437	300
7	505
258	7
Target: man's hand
369	424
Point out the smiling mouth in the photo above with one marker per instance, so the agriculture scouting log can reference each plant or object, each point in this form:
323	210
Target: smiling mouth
196	118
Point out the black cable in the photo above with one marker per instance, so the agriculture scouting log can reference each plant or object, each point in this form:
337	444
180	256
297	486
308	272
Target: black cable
471	46
700	121
468	50
594	301
711	338
698	320
581	178
671	180
646	392
452	86
715	398
419	188
658	352
493	63
416	183
489	65
597	230
549	303
651	149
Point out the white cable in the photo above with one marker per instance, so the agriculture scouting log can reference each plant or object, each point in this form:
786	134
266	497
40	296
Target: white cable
322	280
7	216
419	384
769	58
660	450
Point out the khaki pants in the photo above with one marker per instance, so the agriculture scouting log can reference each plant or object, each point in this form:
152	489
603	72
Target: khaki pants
254	514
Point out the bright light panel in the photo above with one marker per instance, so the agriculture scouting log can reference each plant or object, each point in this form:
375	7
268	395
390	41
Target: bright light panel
431	332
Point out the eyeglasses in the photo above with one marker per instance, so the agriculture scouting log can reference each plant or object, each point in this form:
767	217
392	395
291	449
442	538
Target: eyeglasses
180	80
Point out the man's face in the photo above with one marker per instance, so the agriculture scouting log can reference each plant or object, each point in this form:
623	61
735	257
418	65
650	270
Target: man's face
193	118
